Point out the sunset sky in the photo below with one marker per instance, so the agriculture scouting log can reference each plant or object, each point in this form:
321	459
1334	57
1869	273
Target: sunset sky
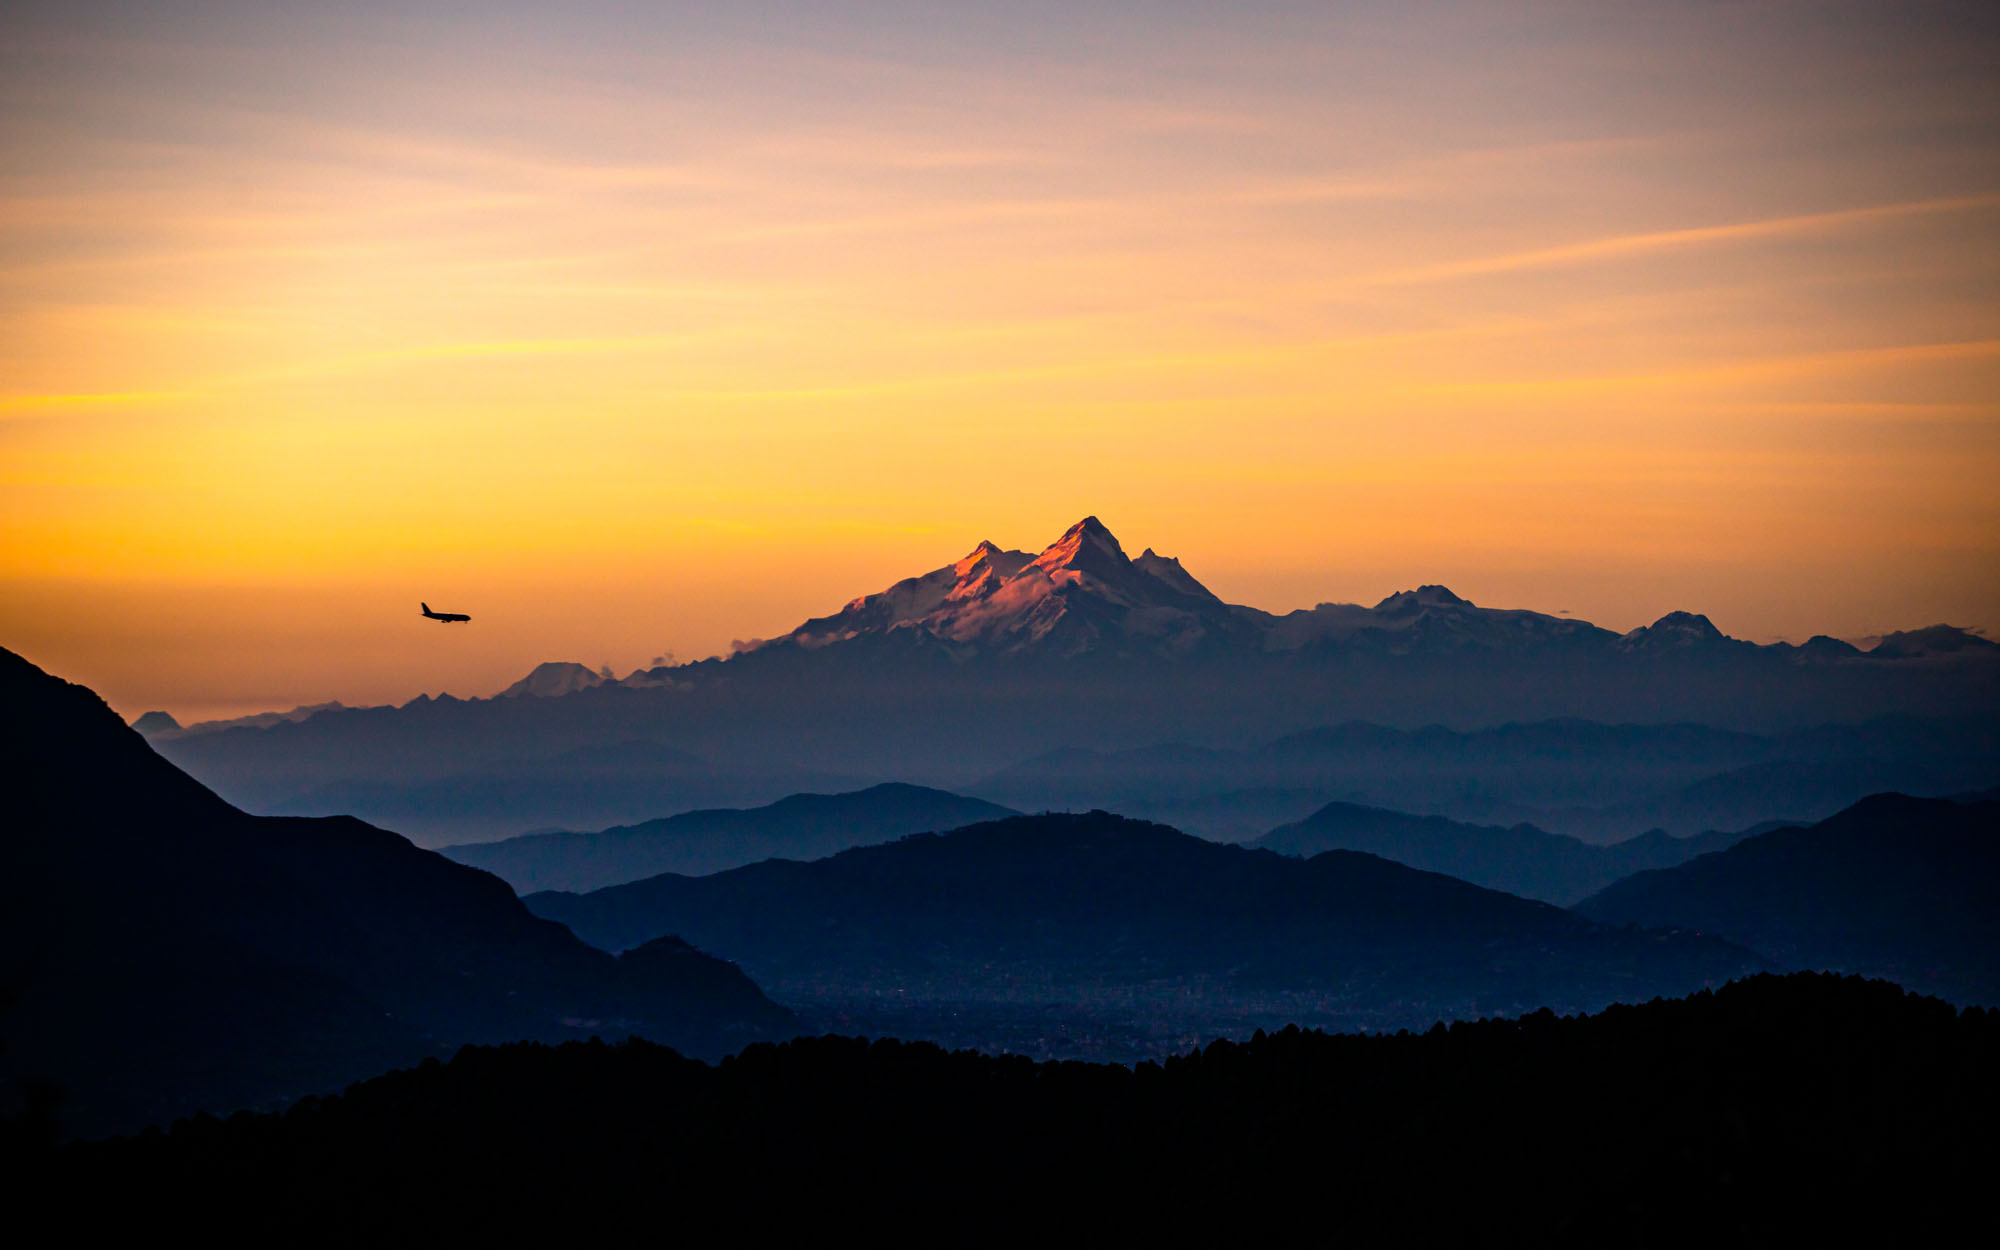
635	328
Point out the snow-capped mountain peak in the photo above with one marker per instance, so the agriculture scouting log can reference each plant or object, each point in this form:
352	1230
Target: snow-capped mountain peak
1086	549
553	679
1080	593
982	572
1083	594
982	554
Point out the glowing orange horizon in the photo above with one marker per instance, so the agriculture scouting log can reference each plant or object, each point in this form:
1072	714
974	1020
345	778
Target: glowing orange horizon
643	338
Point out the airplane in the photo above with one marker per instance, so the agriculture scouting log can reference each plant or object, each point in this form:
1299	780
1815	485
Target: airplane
446	617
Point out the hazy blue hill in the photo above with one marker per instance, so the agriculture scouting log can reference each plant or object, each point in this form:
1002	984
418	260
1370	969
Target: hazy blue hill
1520	860
802	826
1601	783
1146	923
1773	1111
1657	848
448	770
1509	773
1894	886
1954	740
1240	816
1806	790
167	951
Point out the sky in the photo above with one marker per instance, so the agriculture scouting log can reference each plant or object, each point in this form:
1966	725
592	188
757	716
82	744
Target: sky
637	329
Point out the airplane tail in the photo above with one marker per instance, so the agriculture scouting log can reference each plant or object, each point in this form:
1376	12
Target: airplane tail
425	606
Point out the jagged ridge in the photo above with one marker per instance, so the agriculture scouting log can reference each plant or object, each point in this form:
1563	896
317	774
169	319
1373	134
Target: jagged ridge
1083	594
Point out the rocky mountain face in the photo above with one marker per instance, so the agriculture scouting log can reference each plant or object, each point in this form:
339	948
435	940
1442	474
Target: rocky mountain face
1080	594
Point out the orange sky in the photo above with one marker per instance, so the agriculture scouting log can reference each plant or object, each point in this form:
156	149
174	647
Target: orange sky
636	329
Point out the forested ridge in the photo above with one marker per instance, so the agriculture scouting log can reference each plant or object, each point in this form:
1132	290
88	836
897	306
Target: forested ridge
1770	1107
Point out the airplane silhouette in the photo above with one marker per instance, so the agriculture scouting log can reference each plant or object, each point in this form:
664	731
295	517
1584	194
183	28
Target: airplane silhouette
446	617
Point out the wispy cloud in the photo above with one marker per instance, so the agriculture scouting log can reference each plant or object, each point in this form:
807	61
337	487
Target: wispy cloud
1618	246
51	404
1802	364
348	364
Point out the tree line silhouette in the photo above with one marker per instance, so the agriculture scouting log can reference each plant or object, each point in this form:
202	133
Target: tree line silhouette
1772	1108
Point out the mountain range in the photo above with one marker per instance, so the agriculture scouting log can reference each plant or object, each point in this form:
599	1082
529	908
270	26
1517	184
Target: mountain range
1064	933
162	725
801	826
162	951
958	674
1082	594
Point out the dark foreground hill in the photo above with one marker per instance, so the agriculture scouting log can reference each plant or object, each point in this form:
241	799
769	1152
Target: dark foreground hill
1893	887
162	952
1773	1111
1523	860
803	826
1098	935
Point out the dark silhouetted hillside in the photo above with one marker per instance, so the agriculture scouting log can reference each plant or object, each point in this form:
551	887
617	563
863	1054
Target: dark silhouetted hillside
1774	1111
167	952
1893	887
1138	925
1520	860
803	826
